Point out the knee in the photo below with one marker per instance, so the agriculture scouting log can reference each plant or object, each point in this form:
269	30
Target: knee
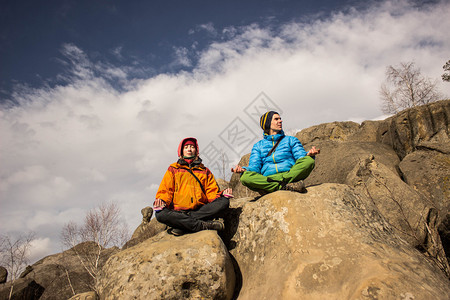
162	216
226	202
223	202
245	178
311	162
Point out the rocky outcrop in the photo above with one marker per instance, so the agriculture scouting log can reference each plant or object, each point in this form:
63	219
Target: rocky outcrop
330	243
59	276
422	127
195	266
369	227
21	288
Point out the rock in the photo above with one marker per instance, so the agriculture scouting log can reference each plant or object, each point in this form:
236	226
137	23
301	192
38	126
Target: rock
337	159
191	266
335	131
85	296
419	127
56	275
428	172
223	184
145	231
3	274
27	270
22	288
329	243
404	208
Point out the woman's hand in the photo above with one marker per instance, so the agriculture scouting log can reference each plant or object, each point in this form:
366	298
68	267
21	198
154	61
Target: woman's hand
228	193
159	204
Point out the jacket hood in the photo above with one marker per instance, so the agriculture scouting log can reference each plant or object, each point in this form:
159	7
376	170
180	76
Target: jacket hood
180	146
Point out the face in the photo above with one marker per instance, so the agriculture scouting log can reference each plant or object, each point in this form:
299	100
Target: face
276	124
189	150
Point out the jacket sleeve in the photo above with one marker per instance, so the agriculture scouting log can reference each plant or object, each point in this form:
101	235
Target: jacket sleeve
256	160
211	187
297	148
166	188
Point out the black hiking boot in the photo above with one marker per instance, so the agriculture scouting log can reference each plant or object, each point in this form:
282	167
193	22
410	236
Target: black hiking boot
175	231
213	225
298	187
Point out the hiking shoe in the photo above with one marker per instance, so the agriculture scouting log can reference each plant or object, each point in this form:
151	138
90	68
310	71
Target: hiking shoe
298	187
175	231
213	225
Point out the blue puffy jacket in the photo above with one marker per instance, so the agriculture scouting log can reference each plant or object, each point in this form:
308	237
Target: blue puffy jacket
281	160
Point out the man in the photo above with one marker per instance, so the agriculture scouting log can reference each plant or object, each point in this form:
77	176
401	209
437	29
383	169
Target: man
277	162
188	196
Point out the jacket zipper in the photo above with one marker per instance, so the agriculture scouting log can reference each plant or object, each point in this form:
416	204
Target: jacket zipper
273	155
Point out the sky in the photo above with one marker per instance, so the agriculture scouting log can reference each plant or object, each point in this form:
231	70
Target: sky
95	96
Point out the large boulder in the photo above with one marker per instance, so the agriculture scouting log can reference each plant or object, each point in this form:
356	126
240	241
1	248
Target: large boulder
419	127
338	158
404	208
20	289
61	275
329	243
428	172
194	266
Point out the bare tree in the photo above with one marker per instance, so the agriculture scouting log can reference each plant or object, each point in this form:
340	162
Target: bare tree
14	253
446	67
405	87
224	165
102	228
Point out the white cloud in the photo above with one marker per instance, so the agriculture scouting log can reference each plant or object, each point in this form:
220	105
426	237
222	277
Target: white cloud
39	249
69	148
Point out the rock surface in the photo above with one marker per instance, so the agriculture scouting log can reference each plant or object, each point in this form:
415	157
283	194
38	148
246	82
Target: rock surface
327	244
3	274
424	126
193	266
50	276
22	288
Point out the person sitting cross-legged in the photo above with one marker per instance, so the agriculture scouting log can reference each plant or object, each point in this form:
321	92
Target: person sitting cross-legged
277	162
188	198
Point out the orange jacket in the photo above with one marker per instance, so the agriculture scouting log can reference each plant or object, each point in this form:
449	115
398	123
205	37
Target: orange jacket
181	191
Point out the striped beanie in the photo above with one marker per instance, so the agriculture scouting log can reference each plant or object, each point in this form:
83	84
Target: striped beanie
266	120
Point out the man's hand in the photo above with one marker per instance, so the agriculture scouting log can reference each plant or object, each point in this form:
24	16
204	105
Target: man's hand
313	152
159	204
228	193
238	169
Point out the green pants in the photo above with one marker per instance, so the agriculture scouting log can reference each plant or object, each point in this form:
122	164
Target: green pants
299	171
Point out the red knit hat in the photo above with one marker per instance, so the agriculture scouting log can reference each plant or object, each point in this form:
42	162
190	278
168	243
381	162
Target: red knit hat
187	141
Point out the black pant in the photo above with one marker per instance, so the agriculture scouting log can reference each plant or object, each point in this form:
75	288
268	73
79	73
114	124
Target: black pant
191	220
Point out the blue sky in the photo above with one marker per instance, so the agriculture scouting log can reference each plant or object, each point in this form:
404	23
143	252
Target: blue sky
96	95
145	34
